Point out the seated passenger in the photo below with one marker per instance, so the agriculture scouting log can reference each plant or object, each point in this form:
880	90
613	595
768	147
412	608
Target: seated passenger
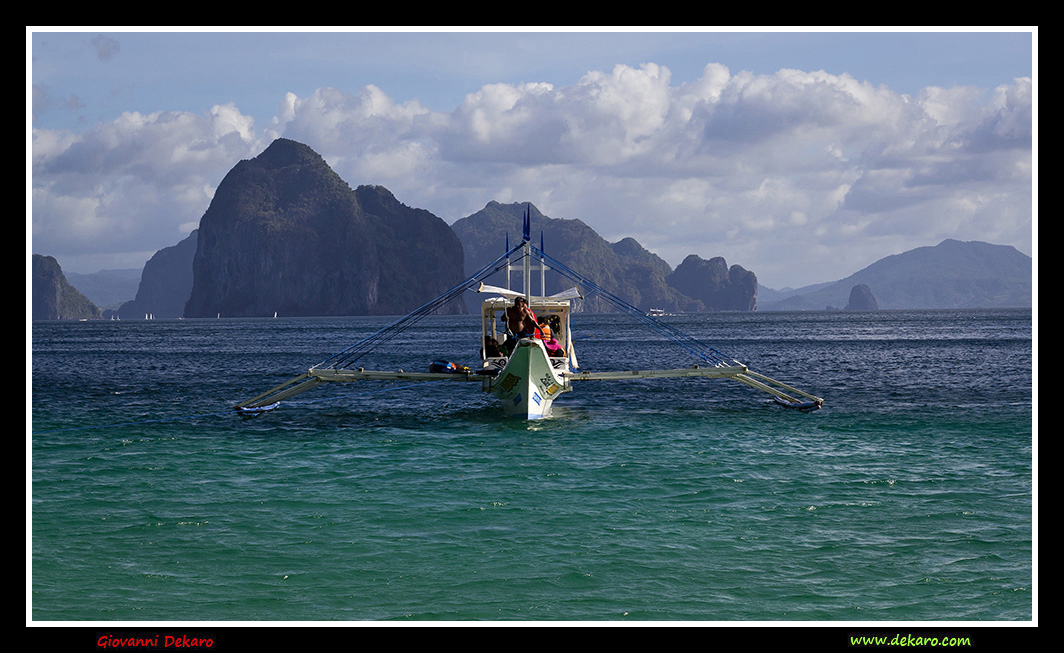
554	348
491	348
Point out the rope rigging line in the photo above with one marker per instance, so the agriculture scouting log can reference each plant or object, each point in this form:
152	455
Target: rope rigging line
705	352
351	355
348	357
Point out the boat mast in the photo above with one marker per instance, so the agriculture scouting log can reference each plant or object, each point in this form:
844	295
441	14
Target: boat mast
542	268
528	255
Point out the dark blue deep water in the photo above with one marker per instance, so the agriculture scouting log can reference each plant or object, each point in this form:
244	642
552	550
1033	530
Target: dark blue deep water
908	497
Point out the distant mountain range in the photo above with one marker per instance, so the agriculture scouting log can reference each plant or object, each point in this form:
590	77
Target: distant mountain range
285	234
108	289
926	277
952	274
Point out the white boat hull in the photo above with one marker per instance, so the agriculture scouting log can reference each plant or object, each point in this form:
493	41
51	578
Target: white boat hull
529	384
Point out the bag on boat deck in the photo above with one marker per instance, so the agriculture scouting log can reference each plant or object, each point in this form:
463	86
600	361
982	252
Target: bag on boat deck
447	367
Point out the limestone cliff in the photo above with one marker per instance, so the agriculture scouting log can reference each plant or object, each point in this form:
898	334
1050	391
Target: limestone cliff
285	234
716	285
862	299
165	283
52	297
624	268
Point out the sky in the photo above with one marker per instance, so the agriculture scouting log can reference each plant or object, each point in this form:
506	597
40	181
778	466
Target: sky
803	156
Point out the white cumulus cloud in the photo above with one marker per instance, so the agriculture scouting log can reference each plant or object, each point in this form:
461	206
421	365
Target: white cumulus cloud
801	176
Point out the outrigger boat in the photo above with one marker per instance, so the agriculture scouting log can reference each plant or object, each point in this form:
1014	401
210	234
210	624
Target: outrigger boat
529	378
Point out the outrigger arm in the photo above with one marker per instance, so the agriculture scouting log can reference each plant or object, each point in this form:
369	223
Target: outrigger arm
784	394
307	381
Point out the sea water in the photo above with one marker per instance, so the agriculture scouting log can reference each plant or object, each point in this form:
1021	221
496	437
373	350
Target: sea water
908	497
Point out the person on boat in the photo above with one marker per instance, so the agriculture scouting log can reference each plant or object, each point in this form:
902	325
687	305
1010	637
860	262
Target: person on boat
554	348
491	348
520	322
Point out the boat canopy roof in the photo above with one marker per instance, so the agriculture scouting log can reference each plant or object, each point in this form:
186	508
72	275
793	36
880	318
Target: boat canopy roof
572	293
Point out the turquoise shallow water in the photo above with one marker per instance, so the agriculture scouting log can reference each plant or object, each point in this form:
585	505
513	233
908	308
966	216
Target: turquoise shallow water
908	497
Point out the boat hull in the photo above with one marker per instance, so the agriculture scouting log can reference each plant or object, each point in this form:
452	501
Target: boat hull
529	384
